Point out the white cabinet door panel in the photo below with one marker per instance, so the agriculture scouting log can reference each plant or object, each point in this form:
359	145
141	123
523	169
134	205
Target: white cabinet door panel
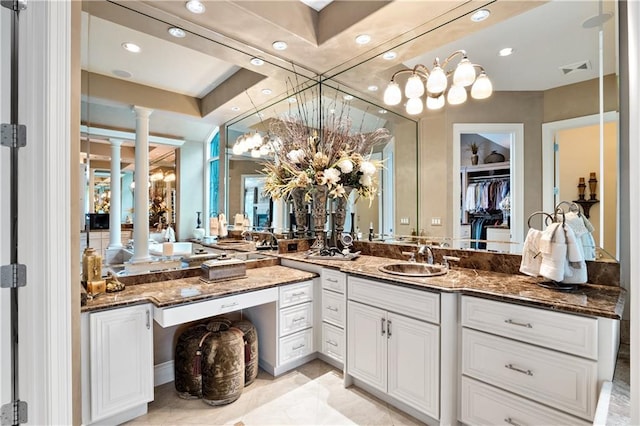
367	346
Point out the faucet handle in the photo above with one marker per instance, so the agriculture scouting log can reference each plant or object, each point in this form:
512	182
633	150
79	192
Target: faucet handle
447	259
410	253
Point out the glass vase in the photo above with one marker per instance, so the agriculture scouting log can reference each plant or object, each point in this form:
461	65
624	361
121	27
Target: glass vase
299	211
319	215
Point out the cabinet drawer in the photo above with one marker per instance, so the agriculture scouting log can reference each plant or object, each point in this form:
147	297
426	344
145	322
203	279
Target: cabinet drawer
333	280
296	318
333	308
295	346
296	293
567	333
485	405
414	303
333	342
562	381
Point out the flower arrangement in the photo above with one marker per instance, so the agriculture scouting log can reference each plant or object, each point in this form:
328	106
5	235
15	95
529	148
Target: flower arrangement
337	158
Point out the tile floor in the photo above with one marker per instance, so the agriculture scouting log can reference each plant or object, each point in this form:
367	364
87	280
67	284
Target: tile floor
313	395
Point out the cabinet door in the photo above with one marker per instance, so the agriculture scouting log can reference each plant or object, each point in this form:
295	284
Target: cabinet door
367	346
121	347
414	363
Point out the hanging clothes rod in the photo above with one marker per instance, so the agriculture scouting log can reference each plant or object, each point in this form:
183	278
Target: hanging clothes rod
489	178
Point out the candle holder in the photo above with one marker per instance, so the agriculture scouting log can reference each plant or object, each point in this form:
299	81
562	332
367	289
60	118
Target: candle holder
593	183
581	187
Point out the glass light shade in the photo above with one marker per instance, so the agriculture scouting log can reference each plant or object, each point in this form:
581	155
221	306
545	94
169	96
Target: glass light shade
465	74
414	87
255	153
392	94
171	177
256	140
482	88
435	103
237	149
264	150
457	95
414	106
156	176
437	81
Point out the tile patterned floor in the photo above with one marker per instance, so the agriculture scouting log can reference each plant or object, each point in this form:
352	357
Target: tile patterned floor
313	395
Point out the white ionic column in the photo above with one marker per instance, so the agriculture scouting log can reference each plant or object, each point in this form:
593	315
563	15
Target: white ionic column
141	194
115	209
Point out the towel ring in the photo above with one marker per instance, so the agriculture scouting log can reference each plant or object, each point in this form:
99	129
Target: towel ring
573	207
555	215
547	217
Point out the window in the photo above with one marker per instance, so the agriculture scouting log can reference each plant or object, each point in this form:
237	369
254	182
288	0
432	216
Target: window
214	174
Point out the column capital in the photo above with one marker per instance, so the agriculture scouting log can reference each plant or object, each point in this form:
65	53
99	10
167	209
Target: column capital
115	142
142	111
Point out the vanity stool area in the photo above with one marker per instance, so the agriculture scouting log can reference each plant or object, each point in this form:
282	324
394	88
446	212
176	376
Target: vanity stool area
472	346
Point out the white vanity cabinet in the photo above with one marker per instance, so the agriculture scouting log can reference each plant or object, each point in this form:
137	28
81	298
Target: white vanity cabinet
117	364
334	314
295	322
537	366
393	342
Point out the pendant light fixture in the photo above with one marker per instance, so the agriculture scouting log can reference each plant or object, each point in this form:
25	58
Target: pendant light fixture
435	84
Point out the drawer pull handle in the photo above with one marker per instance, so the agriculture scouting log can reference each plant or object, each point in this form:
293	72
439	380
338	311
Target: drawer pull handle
521	324
382	330
519	370
389	329
332	280
298	293
300	346
332	343
332	308
229	305
510	421
148	320
298	319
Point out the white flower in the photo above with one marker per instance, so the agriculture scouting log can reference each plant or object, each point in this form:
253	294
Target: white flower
296	156
346	165
368	168
338	191
365	180
330	176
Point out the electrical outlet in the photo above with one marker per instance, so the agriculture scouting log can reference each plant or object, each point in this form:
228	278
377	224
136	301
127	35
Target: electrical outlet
436	221
404	221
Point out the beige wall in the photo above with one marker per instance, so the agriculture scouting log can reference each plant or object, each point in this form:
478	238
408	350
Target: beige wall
236	170
406	186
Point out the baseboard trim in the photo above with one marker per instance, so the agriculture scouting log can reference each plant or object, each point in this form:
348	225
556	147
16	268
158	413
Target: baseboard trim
163	373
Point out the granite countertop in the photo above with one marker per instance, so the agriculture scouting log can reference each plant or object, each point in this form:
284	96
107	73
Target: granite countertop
589	299
191	289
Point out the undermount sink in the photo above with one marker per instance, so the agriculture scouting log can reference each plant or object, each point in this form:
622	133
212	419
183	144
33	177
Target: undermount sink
249	256
414	269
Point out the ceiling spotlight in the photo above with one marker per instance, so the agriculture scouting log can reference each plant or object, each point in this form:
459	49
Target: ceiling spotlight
257	62
347	97
480	15
506	51
177	32
363	39
195	6
280	45
266	91
382	111
131	47
389	55
372	88
235	108
122	73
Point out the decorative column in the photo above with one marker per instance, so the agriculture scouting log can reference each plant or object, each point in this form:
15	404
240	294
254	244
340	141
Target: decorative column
115	209
141	194
92	190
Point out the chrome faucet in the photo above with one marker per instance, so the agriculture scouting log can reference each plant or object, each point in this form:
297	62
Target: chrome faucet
429	251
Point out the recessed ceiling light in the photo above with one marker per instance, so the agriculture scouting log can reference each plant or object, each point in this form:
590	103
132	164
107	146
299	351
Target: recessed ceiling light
257	62
122	73
372	88
266	91
195	6
280	45
363	39
131	47
389	55
347	97
382	111
292	100
506	51
332	111
480	15
235	108
177	32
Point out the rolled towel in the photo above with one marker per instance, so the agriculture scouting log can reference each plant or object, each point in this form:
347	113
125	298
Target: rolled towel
531	255
576	268
554	253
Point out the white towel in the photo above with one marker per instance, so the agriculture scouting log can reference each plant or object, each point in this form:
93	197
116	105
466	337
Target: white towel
574	221
576	268
531	255
554	253
222	225
171	235
588	246
587	224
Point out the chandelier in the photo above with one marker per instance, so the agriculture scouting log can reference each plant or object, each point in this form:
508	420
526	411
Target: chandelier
254	143
435	83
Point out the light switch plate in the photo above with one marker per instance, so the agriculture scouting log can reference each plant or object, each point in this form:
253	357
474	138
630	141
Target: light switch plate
436	221
404	221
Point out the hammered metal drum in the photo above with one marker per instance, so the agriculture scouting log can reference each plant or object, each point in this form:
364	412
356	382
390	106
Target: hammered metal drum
250	350
188	354
222	363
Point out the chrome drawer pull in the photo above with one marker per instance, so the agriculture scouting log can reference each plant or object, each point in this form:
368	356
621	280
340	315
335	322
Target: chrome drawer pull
521	324
229	305
388	329
331	308
298	319
510	421
332	343
519	370
298	293
148	320
382	330
295	348
332	280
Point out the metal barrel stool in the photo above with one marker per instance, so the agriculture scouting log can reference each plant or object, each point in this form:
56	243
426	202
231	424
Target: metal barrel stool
250	335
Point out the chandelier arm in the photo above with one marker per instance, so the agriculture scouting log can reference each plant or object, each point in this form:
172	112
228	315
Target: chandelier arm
404	71
453	55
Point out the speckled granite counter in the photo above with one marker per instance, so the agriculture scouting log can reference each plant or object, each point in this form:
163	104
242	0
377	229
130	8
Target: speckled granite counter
590	299
191	289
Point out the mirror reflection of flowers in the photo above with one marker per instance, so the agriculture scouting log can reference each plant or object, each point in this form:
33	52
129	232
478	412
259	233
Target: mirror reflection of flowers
336	157
157	212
